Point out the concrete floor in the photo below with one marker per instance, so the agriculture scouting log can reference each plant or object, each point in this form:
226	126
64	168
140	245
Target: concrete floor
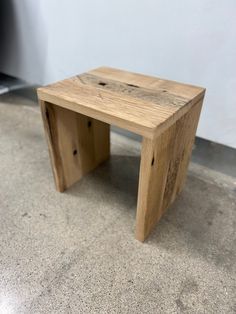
75	252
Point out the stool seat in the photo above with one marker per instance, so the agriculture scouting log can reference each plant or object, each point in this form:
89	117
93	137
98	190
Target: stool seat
77	114
141	104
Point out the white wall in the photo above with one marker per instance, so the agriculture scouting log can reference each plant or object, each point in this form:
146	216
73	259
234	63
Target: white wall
185	40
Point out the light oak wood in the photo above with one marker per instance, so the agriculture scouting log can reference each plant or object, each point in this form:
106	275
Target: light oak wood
144	106
154	83
77	113
77	143
163	168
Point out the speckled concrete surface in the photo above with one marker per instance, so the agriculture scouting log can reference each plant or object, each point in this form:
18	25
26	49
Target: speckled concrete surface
75	252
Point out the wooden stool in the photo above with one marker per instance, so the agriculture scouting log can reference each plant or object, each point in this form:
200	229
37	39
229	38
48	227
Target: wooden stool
77	114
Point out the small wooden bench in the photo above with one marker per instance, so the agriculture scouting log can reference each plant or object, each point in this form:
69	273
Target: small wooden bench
77	113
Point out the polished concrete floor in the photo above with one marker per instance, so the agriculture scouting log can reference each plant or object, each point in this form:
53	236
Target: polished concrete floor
75	252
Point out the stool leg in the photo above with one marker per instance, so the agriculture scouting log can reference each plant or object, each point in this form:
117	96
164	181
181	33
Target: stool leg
163	168
77	143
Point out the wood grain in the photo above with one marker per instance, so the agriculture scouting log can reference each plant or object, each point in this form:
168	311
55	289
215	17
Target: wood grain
77	113
77	143
163	168
154	83
146	109
157	96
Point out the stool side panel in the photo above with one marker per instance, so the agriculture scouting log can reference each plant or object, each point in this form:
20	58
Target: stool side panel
163	168
77	143
48	118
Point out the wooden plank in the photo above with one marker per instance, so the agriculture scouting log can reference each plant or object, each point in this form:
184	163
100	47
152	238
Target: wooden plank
77	143
176	88
160	97
146	110
163	168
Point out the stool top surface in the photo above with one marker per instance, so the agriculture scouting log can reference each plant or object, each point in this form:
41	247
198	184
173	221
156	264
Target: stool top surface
139	103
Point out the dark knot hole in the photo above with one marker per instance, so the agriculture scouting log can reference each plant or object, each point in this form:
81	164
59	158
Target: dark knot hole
132	85
102	83
153	161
